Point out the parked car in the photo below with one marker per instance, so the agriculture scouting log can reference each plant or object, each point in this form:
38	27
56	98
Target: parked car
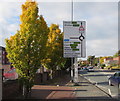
81	69
90	69
115	79
85	68
10	75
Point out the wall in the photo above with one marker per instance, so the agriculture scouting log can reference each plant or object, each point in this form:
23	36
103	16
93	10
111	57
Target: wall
10	89
117	59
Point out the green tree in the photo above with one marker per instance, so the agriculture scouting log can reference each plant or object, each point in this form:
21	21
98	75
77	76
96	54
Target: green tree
91	60
54	58
96	61
117	54
26	48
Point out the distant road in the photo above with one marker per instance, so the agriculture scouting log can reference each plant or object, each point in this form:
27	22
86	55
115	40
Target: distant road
100	79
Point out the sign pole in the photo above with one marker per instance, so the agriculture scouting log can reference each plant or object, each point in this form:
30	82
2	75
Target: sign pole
74	44
81	48
74	74
72	62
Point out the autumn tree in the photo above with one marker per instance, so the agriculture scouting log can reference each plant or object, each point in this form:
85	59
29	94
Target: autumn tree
54	58
26	49
102	60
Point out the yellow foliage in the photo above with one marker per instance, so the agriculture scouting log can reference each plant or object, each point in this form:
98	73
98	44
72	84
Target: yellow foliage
58	31
116	67
102	60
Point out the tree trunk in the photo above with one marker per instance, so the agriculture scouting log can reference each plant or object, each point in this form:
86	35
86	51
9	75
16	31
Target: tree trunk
24	91
51	74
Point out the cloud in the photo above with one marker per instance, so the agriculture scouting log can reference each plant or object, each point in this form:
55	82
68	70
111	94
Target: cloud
102	47
62	0
102	26
101	35
9	23
55	12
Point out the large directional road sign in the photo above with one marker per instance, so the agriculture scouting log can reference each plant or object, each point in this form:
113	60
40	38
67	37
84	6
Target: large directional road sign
74	39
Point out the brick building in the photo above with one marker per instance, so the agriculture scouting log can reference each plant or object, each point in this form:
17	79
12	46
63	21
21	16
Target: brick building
3	56
4	62
111	60
117	59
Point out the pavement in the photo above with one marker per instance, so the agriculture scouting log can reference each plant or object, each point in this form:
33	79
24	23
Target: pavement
59	88
63	88
52	92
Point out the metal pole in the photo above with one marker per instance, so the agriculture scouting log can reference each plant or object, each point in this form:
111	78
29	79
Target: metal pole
72	76
71	69
81	49
72	11
74	60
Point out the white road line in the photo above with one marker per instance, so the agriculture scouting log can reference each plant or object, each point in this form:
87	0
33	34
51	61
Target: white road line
85	77
108	76
102	87
111	73
109	91
92	81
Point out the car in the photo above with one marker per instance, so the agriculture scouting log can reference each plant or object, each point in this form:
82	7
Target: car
115	79
10	75
82	69
90	69
85	68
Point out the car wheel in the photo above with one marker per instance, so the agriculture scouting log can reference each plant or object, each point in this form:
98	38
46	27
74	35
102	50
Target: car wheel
110	83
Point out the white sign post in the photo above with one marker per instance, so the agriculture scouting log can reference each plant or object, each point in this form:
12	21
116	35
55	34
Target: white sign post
74	39
74	42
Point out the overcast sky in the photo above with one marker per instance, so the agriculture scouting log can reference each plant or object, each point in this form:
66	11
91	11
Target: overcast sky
101	19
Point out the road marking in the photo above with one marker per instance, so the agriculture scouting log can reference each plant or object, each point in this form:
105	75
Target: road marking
109	91
105	88
108	76
110	73
102	87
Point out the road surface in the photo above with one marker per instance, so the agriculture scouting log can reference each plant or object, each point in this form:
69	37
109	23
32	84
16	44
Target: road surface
85	90
100	79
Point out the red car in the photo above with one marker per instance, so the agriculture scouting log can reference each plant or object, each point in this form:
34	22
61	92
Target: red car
10	75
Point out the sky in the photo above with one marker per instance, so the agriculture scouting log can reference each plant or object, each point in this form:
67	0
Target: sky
101	18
